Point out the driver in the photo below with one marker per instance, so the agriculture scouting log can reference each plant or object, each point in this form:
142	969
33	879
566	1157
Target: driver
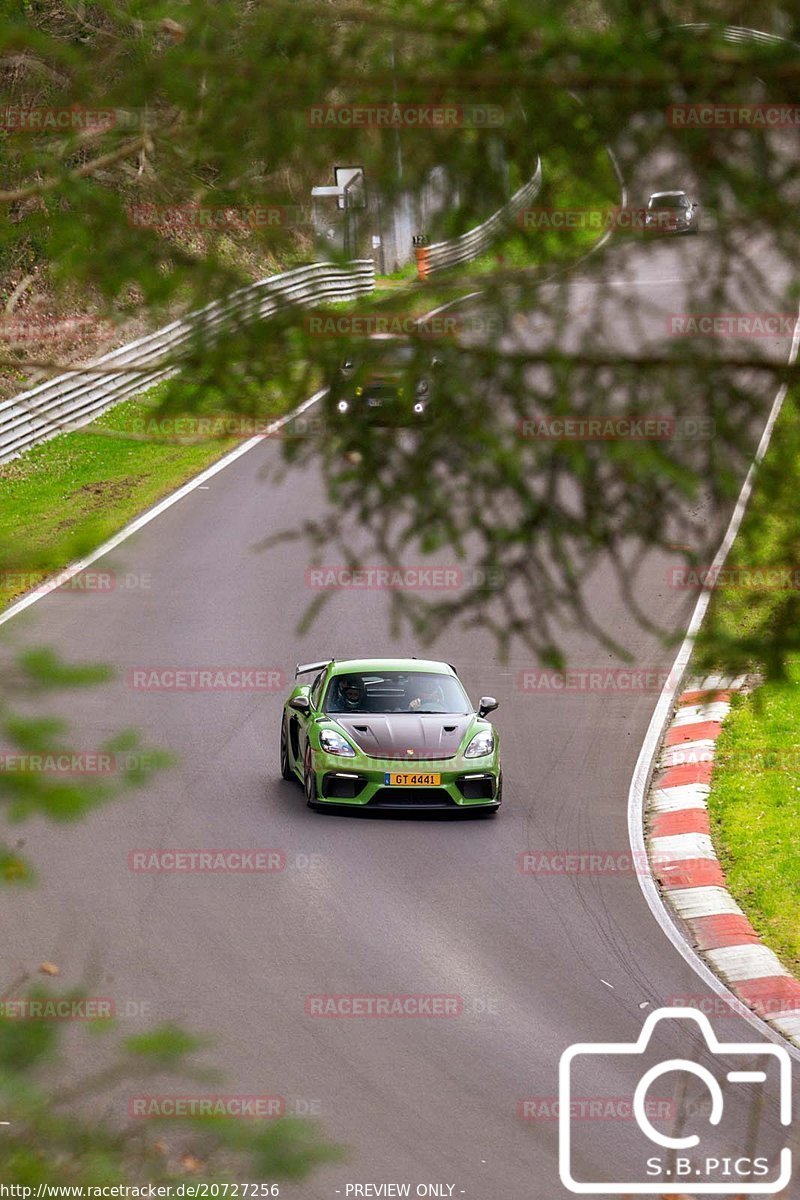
350	694
430	697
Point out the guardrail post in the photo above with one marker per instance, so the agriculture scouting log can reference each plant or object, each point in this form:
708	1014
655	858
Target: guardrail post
423	262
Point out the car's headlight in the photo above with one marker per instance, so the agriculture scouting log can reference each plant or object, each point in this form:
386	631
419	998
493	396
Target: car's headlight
333	743
481	744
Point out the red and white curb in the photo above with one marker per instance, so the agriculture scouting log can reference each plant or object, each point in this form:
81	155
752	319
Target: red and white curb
685	864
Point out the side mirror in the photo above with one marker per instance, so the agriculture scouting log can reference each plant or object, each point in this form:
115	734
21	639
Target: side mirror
488	704
300	704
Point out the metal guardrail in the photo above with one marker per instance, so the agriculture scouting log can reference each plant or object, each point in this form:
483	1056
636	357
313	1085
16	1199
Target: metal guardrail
72	400
735	33
472	243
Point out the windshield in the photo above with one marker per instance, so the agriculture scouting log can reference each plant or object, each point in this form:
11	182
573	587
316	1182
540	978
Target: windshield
671	200
396	692
384	356
391	356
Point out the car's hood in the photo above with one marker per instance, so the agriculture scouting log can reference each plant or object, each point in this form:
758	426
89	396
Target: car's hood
383	374
406	736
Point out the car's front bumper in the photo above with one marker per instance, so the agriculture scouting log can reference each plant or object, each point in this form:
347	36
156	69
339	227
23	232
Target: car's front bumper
463	783
670	229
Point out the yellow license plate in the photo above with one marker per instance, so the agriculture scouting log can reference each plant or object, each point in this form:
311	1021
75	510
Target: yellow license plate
412	779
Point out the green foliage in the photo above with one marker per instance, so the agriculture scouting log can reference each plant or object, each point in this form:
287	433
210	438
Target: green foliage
216	107
51	1136
753	622
213	106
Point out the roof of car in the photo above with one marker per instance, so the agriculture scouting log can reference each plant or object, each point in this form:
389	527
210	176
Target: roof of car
672	192
347	666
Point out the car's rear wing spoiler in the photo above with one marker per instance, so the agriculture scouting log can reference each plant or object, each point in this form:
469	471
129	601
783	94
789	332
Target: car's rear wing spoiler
304	668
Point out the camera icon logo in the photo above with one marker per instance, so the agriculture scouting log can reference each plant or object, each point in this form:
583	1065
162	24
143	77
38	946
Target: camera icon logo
709	1157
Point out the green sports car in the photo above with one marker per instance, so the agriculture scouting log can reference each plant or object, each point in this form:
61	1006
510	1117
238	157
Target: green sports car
390	734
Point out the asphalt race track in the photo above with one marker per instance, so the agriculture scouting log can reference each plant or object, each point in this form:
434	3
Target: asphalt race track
368	906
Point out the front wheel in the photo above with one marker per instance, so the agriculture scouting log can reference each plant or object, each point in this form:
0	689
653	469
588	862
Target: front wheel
286	766
310	782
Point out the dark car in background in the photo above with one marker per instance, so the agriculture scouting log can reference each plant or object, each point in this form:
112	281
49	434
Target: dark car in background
388	380
672	212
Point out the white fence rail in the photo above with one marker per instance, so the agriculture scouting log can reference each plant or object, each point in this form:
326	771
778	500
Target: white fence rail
77	397
473	243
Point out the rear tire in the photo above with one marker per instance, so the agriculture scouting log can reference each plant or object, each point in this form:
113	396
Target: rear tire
286	767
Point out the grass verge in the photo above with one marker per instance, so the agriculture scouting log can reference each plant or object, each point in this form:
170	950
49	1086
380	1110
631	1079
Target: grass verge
755	811
755	793
67	496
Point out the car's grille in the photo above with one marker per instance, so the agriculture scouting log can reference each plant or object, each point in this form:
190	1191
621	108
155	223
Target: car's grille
418	797
476	789
339	787
381	392
405	764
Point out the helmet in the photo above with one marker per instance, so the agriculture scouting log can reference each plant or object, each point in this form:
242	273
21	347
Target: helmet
351	691
430	690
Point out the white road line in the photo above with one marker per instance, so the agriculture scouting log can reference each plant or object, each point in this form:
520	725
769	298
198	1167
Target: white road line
44	588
